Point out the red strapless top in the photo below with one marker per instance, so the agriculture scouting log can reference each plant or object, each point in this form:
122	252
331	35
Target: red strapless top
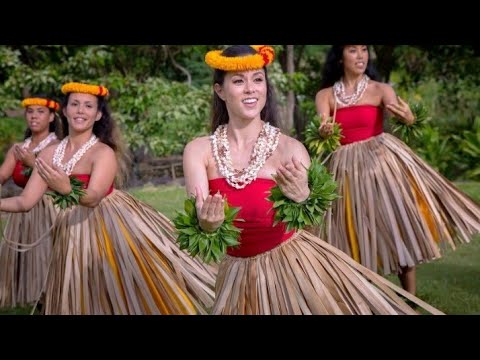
359	122
18	177
85	178
258	233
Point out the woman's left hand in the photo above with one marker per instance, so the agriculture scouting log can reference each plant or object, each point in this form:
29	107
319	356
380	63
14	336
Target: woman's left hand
402	110
55	178
24	155
292	178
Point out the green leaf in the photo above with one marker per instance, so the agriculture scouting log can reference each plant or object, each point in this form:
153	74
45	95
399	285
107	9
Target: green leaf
208	246
309	212
316	144
71	199
409	133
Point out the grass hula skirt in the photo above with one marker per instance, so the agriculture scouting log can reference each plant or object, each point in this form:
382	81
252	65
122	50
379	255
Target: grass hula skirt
305	275
121	258
25	253
394	210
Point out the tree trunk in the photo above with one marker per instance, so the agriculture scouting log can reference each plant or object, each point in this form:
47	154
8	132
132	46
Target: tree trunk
288	126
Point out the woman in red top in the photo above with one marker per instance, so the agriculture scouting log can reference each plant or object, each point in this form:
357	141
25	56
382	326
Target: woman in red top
394	210
25	251
112	253
272	271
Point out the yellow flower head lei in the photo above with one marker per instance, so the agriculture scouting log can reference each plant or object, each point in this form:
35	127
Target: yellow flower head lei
41	102
75	87
264	56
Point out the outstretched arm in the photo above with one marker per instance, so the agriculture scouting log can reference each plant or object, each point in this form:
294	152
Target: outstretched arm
322	104
210	209
195	167
6	170
29	197
292	175
396	105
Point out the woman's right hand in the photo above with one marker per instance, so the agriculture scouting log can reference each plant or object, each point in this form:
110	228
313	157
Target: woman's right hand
25	156
210	211
326	129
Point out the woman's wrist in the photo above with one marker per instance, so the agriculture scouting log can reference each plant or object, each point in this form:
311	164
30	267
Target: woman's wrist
300	197
67	191
206	227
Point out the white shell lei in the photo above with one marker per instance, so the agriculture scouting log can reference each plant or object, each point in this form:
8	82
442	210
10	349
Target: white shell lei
42	145
60	153
349	100
264	147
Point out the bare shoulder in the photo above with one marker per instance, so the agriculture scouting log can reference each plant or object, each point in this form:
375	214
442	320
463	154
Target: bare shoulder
289	146
197	146
382	87
47	153
52	145
104	151
387	93
324	94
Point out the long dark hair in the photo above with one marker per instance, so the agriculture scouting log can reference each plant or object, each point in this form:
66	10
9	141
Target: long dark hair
333	68
108	133
219	109
55	126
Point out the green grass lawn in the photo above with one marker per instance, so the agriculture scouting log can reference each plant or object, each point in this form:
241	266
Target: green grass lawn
166	199
452	284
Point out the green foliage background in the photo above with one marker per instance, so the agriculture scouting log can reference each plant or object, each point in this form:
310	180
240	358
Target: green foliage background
161	93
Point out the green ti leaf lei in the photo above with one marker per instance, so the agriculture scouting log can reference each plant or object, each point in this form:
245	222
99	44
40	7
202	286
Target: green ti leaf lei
309	212
409	133
318	145
27	172
71	199
208	246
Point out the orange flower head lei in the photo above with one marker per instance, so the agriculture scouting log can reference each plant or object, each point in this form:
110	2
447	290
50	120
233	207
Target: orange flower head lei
41	102
264	56
76	87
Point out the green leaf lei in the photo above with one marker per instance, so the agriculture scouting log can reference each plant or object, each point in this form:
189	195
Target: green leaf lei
70	199
318	145
309	212
27	171
208	246
411	132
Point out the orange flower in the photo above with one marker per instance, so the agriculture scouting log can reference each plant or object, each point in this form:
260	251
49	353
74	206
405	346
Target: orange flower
41	102
265	56
75	87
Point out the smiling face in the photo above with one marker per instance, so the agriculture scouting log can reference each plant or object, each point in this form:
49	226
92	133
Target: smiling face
244	93
82	111
38	118
355	59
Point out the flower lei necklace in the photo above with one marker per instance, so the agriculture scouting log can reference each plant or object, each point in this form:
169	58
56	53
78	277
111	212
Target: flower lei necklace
349	100
60	153
42	145
265	145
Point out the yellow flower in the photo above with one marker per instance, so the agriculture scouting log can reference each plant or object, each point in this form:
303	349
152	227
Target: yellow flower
75	87
41	102
264	56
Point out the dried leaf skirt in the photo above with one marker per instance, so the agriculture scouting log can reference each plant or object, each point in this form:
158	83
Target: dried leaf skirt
121	258
23	272
394	210
305	275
